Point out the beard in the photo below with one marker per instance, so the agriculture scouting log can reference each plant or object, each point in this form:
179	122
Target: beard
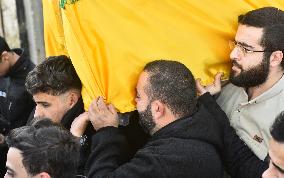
251	77
146	120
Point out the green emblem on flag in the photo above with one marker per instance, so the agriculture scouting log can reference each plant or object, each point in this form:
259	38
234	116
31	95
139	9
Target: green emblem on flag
62	3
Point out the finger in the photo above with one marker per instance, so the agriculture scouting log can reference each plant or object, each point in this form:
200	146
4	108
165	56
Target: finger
84	116
199	87
111	108
101	104
217	81
93	109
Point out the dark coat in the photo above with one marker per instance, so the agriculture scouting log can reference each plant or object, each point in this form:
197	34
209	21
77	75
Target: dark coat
185	148
239	160
15	102
67	120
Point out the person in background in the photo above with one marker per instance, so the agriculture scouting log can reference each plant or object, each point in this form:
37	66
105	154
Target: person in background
15	102
43	150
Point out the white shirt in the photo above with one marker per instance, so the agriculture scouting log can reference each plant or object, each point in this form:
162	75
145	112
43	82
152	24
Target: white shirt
252	119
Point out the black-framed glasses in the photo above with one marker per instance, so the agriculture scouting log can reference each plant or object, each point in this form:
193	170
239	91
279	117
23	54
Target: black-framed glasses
244	50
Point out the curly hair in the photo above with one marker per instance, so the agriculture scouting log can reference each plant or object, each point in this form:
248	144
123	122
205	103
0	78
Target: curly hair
46	147
54	76
172	83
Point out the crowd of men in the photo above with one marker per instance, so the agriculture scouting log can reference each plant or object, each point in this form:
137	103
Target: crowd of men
180	128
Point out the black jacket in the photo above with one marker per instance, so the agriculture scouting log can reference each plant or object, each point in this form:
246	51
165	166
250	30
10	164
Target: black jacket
239	160
185	148
15	102
67	120
132	130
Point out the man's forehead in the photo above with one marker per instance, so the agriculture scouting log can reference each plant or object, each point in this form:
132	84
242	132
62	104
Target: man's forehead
45	97
142	80
15	162
249	35
276	153
14	158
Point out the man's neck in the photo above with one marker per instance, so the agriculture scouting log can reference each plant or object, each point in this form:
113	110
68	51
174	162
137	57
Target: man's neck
14	58
166	120
272	78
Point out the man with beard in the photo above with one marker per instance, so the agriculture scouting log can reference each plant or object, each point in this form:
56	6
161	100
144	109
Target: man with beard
184	140
256	93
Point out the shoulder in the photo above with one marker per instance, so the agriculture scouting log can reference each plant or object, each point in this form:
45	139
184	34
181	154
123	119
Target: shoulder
228	93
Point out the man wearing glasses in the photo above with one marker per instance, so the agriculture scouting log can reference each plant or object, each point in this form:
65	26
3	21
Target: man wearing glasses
256	93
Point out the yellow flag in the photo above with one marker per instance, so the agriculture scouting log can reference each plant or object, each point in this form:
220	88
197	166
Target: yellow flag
109	41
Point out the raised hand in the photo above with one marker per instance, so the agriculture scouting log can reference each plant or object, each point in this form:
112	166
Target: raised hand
102	114
213	88
79	124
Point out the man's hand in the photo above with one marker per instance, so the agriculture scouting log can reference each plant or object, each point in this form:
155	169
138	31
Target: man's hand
213	88
79	124
102	115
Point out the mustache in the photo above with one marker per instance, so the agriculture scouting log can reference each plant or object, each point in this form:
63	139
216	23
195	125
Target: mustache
235	63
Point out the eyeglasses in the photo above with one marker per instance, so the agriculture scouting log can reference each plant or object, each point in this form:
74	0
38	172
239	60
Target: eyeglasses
242	49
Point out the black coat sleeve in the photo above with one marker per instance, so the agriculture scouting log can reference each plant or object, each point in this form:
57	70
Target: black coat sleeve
110	157
239	160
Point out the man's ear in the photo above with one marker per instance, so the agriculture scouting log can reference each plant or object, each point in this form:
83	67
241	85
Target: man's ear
276	58
158	109
4	56
74	96
43	175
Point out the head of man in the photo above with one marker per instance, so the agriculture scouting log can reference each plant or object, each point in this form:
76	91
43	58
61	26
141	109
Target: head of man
55	87
257	51
5	59
165	92
276	149
43	150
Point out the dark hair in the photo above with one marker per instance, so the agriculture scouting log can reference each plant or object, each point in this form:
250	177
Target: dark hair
3	46
46	147
271	19
172	83
54	76
277	128
262	17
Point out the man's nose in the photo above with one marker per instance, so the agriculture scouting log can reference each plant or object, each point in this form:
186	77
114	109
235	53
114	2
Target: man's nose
38	112
235	54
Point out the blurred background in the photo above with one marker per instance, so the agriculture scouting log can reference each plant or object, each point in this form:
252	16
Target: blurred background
21	24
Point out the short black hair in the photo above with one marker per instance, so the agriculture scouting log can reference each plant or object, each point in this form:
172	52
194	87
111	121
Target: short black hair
54	76
271	19
277	128
262	17
46	147
3	46
172	83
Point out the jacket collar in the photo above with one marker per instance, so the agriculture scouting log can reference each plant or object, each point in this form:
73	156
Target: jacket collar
21	67
71	114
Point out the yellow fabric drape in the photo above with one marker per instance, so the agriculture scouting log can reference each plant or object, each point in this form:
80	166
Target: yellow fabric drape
109	41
